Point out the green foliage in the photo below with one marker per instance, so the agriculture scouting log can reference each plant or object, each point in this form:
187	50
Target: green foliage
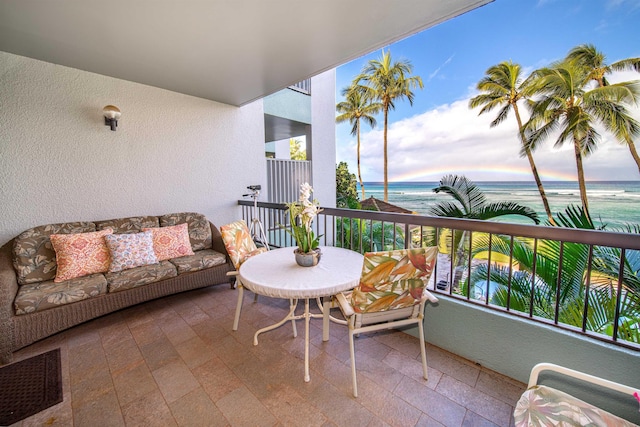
535	279
296	151
346	190
368	236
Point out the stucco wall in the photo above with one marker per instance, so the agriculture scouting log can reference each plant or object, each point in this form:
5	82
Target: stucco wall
171	152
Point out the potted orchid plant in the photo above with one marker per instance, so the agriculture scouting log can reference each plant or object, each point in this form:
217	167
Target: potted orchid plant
302	214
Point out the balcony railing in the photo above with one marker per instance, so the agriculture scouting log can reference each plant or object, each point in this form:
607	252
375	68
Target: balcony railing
583	281
284	178
303	87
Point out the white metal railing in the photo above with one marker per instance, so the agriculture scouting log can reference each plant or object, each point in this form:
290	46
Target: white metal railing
303	86
284	178
583	281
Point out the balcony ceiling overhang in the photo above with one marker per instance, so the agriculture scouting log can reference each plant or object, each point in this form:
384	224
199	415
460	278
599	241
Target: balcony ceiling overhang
228	51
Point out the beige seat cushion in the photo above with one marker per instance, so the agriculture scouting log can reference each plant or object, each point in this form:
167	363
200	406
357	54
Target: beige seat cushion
40	296
198	261
139	276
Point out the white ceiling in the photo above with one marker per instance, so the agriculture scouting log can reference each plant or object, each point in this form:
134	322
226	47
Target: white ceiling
230	51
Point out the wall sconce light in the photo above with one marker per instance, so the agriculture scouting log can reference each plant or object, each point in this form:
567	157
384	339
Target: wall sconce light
111	116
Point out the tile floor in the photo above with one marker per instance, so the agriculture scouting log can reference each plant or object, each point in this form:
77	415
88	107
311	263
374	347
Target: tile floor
176	361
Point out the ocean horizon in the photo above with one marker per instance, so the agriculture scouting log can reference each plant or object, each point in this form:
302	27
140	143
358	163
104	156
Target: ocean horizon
612	204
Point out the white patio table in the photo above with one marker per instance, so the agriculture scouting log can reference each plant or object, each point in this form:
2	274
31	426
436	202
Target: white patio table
276	274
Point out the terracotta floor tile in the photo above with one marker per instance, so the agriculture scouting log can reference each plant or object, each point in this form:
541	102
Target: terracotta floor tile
196	409
500	387
175	380
216	379
195	352
241	408
134	383
488	407
472	419
146	333
149	410
159	353
446	363
176	361
103	411
432	403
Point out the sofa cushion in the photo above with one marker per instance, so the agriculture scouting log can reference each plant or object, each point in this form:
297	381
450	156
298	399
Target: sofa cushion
133	224
130	250
40	296
80	254
198	261
171	241
199	228
139	276
34	258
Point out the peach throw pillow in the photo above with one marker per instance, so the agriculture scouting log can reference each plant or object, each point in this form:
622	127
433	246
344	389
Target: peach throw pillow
80	254
171	242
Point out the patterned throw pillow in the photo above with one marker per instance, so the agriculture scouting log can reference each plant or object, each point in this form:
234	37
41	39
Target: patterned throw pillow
171	242
80	254
130	250
238	242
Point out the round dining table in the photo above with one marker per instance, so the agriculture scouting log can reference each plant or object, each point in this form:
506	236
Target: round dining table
276	274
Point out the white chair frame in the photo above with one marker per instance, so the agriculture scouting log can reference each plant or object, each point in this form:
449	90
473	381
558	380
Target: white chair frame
375	321
240	287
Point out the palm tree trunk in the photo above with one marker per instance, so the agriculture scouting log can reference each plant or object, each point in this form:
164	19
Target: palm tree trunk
534	169
634	152
386	178
359	174
581	181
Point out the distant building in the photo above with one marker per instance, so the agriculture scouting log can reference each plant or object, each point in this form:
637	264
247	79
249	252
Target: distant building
374	204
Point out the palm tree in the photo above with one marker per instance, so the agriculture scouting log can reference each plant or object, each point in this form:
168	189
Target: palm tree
587	56
503	87
470	203
533	286
388	81
355	107
567	107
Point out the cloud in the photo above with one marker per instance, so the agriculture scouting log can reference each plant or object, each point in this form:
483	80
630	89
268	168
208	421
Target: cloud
454	139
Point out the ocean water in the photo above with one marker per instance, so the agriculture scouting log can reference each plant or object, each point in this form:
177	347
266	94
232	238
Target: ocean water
611	203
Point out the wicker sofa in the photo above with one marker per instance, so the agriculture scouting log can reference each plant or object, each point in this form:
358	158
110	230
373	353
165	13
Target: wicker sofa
33	306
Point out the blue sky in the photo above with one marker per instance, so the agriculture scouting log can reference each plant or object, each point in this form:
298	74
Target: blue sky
440	135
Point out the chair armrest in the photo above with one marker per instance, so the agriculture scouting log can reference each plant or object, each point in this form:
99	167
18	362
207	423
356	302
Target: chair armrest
428	296
8	291
346	308
535	371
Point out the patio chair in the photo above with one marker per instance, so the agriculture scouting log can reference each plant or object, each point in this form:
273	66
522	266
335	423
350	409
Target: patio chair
240	246
391	294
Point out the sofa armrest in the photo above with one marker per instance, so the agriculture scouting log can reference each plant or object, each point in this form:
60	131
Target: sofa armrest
216	240
8	291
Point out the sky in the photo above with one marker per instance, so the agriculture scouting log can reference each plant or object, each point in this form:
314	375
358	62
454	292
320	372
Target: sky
440	135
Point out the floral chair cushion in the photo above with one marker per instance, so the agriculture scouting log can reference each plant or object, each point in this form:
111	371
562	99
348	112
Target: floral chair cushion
130	250
545	406
34	257
199	228
171	241
40	296
238	242
198	261
80	254
393	279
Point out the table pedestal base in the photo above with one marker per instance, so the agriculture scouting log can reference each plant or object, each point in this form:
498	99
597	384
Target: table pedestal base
307	315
